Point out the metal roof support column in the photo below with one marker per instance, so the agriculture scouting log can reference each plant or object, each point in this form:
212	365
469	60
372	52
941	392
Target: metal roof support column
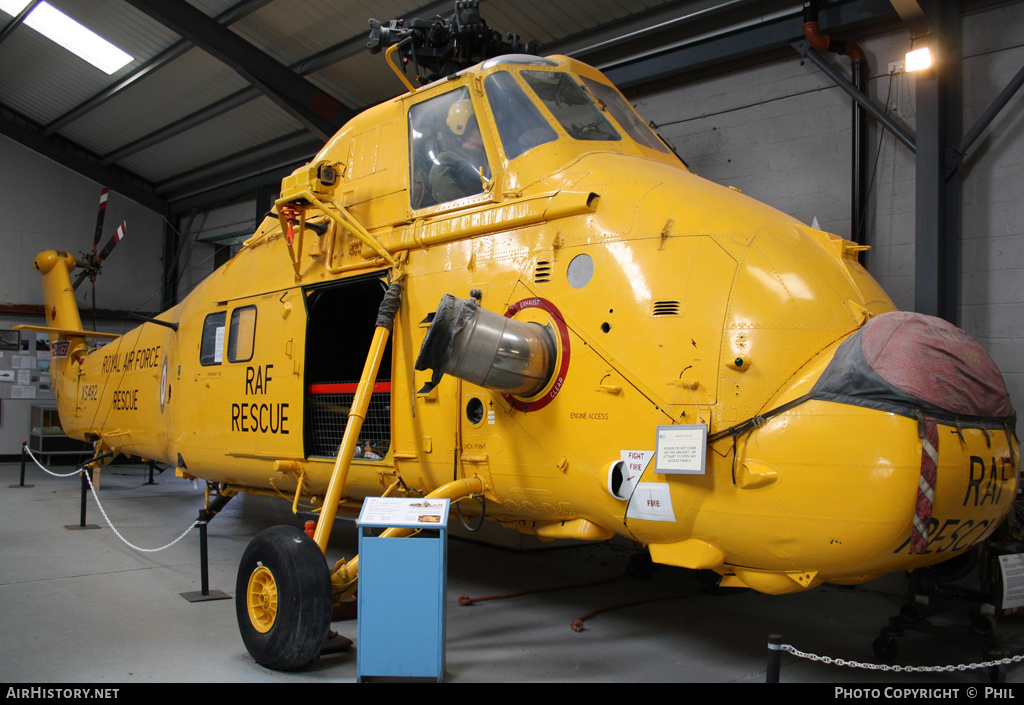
937	232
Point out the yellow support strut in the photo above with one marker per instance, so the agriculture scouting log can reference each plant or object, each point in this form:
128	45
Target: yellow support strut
346	572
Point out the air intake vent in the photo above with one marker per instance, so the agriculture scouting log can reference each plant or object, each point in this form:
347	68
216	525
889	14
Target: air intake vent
665	308
542	271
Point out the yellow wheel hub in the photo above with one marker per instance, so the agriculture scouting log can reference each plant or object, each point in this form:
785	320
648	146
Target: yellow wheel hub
261	599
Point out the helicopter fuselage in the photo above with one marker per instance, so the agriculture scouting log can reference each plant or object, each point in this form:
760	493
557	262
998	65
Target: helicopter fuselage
668	302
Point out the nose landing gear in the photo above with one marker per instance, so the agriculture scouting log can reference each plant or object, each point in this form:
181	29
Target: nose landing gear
283	598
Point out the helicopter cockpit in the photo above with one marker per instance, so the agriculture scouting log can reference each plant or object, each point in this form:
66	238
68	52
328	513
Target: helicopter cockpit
533	102
448	158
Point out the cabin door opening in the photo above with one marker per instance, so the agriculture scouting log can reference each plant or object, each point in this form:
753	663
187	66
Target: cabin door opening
341	321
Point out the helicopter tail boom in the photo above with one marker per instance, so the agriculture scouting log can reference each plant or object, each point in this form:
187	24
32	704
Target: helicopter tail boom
61	309
58	294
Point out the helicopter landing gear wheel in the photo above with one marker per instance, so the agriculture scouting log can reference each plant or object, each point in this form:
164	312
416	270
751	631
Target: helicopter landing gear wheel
283	598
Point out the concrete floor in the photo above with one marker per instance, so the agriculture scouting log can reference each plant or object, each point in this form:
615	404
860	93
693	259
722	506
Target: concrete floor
83	607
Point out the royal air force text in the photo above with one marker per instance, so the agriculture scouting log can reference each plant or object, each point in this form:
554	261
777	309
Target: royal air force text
119	363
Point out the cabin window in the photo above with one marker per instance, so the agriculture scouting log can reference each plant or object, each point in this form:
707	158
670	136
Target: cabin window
521	125
448	161
211	349
624	114
571	106
242	338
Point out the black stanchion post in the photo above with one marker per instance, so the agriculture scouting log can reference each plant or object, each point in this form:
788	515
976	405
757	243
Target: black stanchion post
205	594
24	457
85	490
774	658
204	570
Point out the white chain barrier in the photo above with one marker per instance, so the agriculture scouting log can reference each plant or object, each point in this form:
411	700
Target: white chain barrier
897	668
96	496
74	472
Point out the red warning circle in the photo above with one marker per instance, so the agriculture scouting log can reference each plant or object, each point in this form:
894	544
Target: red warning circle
558	379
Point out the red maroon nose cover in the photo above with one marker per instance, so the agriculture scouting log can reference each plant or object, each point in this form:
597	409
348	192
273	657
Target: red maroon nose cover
908	363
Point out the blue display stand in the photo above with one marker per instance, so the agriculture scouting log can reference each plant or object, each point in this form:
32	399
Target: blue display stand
402	586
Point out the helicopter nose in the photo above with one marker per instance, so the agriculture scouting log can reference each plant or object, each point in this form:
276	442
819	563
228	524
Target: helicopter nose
925	368
902	454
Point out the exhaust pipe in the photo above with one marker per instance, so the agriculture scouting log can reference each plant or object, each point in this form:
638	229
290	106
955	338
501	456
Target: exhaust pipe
486	349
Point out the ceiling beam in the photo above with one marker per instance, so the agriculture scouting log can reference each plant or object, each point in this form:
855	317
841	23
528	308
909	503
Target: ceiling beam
327	57
69	155
197	187
226	192
292	150
320	113
913	16
734	43
229	16
623	37
184	124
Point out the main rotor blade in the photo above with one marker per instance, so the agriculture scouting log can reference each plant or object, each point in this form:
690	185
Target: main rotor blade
99	219
118	236
93	267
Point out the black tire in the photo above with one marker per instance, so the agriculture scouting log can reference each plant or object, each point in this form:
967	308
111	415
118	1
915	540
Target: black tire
885	648
287	632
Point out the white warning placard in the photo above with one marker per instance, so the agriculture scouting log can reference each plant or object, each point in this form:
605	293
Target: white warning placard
651	501
680	450
634	462
1012	566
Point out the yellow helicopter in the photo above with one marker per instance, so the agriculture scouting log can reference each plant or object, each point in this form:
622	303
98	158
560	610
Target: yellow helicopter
504	289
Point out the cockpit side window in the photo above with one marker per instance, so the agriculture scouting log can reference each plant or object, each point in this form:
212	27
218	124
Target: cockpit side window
521	125
625	115
571	106
211	348
447	154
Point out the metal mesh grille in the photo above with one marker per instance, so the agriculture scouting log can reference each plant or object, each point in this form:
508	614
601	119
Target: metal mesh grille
329	405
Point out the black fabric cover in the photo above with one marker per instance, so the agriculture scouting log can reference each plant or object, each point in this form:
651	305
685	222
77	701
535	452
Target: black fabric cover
451	317
908	363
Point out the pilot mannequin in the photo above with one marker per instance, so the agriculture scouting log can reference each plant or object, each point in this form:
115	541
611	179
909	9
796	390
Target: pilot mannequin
456	172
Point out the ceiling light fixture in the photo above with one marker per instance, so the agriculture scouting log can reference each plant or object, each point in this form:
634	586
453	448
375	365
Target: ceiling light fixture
73	36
